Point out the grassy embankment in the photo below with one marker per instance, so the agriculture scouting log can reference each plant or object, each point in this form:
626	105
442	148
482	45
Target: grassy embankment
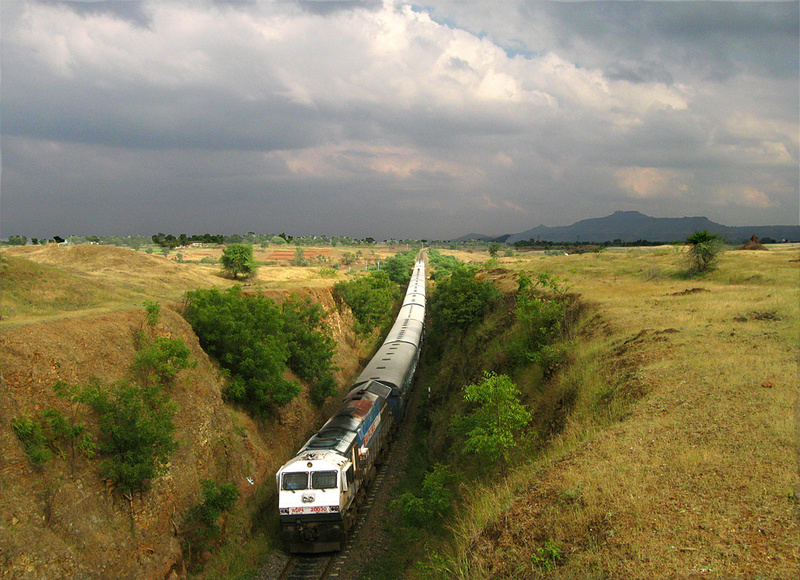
666	446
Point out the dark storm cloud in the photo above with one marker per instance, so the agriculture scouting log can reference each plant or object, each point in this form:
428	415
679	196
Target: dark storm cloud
325	7
391	120
128	11
647	72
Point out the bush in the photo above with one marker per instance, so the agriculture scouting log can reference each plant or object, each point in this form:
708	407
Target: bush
311	350
41	435
490	426
137	432
299	258
461	299
442	265
255	340
704	249
245	334
540	315
161	359
435	502
201	527
370	298
400	266
31	434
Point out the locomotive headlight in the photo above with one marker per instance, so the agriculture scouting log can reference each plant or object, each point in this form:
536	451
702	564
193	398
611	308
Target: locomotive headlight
334	508
284	511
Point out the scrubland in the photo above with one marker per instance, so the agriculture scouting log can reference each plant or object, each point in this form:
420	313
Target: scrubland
678	456
675	449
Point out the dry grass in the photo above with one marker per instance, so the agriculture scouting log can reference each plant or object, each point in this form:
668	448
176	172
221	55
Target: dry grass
680	456
48	282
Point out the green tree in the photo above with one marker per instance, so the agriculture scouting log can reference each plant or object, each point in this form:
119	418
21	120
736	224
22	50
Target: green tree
311	349
495	418
494	249
400	266
704	250
299	258
238	259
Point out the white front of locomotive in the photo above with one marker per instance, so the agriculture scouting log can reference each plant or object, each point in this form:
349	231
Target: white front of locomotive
312	491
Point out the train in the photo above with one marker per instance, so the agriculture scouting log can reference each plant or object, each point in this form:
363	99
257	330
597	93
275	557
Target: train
321	489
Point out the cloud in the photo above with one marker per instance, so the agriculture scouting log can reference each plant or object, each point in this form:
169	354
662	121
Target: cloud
649	182
552	111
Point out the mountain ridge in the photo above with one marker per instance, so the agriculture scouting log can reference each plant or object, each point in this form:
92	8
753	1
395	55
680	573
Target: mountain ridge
632	226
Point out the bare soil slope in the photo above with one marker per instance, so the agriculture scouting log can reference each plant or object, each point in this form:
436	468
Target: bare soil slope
61	520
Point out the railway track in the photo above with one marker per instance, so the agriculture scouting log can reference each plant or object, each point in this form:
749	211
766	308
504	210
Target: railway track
310	567
329	565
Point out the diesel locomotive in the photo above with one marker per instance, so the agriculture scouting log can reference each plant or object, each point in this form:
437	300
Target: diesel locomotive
321	489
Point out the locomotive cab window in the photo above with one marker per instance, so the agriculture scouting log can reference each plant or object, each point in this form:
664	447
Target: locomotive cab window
323	480
293	481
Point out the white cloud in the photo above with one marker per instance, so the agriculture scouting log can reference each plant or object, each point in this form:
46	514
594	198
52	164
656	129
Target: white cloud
652	182
529	105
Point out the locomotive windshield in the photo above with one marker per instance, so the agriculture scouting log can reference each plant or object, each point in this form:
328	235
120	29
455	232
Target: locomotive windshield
292	481
323	479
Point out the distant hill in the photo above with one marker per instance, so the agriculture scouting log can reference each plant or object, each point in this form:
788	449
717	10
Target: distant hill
630	226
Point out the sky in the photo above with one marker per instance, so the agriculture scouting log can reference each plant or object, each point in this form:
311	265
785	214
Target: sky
388	120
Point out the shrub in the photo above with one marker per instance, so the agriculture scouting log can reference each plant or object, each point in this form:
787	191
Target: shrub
370	298
246	336
442	265
540	317
201	527
72	433
489	428
41	435
137	432
31	434
704	249
547	557
161	359
299	258
152	312
435	502
311	350
461	299
400	266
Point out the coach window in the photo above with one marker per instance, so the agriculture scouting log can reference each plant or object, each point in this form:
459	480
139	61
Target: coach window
293	481
323	479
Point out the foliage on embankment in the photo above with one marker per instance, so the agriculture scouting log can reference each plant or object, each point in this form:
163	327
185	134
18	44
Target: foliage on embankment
673	400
